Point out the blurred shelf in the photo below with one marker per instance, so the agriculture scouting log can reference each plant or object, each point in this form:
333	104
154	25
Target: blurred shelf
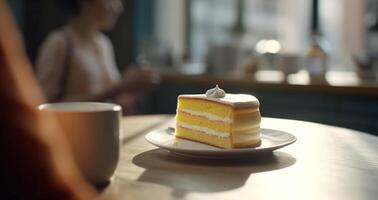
336	83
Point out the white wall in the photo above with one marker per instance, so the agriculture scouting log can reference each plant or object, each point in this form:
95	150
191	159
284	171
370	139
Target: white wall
294	25
353	28
170	24
342	24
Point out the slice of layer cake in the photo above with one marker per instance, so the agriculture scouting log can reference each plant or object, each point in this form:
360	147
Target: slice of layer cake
219	119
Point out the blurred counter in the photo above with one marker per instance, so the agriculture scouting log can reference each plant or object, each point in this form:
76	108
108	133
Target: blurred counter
336	83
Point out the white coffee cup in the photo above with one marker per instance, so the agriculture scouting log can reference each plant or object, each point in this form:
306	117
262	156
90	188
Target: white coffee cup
93	133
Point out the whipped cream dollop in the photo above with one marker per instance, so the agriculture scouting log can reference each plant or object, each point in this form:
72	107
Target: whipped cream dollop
215	93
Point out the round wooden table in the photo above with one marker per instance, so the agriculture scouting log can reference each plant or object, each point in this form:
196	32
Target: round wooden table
326	162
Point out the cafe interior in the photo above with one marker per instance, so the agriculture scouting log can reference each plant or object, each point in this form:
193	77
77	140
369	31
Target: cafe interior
246	46
312	65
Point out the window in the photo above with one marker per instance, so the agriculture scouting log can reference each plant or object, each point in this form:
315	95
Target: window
287	21
213	21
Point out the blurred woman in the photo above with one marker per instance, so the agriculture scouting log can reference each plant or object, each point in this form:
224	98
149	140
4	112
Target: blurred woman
76	62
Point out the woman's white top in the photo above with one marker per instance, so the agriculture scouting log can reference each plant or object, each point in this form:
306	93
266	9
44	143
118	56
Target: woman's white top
87	66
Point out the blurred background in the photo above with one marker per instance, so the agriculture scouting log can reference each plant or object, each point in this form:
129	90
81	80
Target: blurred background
312	60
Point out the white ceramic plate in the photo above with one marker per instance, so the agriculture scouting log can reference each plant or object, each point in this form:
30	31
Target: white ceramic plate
270	141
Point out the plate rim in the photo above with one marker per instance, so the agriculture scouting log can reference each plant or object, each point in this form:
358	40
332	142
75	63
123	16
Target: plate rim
219	151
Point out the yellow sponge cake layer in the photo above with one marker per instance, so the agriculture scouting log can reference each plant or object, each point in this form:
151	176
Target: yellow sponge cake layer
201	105
200	121
246	120
198	136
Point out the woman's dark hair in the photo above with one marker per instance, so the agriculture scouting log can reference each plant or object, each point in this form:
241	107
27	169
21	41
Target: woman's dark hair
71	7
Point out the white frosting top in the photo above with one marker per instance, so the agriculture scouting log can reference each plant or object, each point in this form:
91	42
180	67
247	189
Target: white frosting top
215	93
235	100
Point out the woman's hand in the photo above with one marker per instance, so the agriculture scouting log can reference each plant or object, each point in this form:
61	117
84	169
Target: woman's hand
134	80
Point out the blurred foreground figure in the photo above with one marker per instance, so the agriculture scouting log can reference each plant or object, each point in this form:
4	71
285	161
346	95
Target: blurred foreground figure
35	161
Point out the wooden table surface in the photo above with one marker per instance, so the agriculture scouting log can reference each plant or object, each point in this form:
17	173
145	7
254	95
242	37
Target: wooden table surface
325	163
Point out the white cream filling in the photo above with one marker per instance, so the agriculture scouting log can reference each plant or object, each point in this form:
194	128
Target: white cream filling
253	134
203	129
208	116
